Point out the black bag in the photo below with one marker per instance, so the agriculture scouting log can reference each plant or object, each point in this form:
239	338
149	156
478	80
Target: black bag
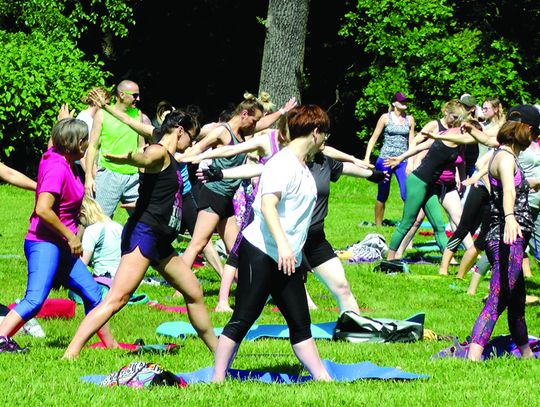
356	328
391	267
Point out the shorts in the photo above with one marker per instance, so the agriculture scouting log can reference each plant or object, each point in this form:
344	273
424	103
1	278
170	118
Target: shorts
213	202
113	187
152	246
317	250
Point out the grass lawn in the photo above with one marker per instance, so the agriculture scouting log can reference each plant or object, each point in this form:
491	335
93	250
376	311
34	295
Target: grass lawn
41	378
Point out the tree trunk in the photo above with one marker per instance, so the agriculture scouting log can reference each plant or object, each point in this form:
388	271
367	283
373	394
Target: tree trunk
283	57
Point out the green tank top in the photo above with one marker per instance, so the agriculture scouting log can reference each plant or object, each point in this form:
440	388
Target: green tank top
118	138
227	187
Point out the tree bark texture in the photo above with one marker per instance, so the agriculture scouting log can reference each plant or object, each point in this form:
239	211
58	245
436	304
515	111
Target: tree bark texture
283	57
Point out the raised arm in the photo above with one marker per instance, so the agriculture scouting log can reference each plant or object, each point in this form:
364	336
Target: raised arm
214	138
487	138
91	153
269	119
375	136
16	178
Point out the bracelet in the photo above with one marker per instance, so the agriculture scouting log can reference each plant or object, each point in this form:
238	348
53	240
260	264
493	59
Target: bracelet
509	214
282	111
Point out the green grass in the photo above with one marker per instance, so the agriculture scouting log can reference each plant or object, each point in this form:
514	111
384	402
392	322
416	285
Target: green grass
41	378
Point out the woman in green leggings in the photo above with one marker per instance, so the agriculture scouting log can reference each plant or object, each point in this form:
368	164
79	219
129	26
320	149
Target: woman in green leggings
420	184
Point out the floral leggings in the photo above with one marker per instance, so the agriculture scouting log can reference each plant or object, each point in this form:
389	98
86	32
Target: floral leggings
507	289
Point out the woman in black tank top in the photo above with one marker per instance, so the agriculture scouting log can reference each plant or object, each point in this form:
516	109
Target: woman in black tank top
147	236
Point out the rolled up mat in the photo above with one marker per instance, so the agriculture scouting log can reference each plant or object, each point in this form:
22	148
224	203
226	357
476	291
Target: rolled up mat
338	372
178	329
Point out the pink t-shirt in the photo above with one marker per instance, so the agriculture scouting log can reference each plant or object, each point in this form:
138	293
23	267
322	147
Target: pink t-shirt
56	177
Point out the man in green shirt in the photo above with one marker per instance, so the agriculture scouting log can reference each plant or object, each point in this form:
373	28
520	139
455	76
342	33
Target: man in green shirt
112	182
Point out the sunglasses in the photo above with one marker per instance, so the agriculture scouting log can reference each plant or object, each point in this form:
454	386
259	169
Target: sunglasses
134	94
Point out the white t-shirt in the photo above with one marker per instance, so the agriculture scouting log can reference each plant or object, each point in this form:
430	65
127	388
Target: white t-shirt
285	174
103	239
86	117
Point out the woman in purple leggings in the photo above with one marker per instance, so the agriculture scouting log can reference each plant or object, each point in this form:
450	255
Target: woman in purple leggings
509	231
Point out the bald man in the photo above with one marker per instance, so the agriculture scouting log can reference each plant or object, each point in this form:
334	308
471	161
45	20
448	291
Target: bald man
114	183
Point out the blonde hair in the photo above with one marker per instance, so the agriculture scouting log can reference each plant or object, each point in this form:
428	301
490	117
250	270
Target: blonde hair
91	212
263	99
104	92
456	111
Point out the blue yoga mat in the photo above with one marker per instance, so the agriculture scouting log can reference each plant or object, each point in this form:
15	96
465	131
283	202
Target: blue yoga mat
338	372
180	329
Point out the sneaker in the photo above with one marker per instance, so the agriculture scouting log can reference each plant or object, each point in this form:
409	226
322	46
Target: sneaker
8	345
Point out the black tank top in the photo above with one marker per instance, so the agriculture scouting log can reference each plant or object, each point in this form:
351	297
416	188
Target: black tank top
437	158
160	200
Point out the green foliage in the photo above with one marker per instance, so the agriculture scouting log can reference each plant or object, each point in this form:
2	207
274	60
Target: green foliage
70	18
38	75
421	47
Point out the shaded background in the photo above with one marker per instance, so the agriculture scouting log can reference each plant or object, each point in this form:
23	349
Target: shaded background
207	53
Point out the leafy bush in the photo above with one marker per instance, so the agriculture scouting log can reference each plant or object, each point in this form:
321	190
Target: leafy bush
421	47
38	75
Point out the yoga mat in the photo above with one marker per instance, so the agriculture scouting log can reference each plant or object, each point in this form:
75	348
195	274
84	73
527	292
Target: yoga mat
180	329
498	346
136	348
338	372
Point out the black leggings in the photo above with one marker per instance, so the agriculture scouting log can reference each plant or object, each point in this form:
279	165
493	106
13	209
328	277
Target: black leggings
189	213
258	277
476	212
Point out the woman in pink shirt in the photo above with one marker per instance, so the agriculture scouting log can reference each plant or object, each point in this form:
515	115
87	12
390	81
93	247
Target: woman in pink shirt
52	247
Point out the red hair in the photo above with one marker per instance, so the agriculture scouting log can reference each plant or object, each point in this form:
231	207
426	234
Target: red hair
302	120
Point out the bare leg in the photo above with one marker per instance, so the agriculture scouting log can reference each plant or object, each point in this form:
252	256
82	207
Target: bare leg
130	273
223	357
473	285
211	254
526	352
379	212
227	280
408	239
308	355
526	267
332	274
204	227
311	304
175	271
469	257
445	261
11	324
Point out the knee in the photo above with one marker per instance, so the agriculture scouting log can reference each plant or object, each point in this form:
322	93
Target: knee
116	302
343	289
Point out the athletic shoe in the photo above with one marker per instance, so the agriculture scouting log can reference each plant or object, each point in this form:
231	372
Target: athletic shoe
8	345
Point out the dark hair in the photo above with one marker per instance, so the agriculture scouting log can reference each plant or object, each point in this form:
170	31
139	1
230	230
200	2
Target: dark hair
251	104
163	106
67	135
475	123
227	113
175	119
514	132
303	119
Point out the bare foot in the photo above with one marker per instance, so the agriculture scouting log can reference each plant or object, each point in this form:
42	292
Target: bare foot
223	307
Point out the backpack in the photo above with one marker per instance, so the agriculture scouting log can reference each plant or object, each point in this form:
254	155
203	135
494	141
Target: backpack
391	267
142	375
356	328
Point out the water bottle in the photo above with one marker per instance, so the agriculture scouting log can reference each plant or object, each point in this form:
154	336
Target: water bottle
32	327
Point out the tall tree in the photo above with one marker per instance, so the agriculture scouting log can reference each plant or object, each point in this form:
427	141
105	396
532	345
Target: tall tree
283	57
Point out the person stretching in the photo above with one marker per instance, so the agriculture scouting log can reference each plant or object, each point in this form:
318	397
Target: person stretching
147	236
510	228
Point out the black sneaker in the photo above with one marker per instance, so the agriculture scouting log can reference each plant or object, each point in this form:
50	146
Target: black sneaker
8	345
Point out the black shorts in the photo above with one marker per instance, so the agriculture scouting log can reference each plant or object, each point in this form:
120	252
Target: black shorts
219	204
317	250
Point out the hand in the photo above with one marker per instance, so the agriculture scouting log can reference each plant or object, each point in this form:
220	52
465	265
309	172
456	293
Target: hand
466	127
129	205
212	174
119	158
410	167
471	181
75	246
511	230
89	186
64	112
287	260
290	104
392	162
98	98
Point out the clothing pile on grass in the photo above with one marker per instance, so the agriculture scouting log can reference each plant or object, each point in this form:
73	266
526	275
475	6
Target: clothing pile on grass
370	249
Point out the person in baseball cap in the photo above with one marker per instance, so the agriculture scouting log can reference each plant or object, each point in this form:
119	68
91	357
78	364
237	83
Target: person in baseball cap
400	97
527	114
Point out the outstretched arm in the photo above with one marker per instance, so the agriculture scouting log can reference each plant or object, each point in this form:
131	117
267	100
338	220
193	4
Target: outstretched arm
362	172
344	157
253	144
153	158
16	178
245	171
394	161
